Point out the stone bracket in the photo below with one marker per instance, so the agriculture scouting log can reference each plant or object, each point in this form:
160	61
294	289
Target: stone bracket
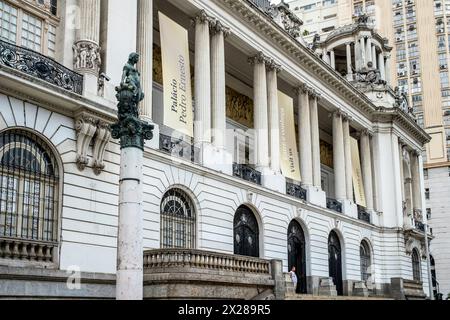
91	127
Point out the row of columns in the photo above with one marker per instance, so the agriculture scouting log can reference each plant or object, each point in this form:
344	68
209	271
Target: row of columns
410	186
342	161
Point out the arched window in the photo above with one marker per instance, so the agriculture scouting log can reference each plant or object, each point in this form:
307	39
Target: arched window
246	233
29	188
365	261
177	220
416	265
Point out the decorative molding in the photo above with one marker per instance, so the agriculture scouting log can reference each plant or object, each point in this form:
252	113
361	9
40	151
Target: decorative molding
86	127
101	141
86	57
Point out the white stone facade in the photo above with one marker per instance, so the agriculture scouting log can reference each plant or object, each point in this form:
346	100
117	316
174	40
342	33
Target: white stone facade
88	214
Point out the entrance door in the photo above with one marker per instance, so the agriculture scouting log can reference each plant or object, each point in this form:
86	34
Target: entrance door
297	254
246	233
335	261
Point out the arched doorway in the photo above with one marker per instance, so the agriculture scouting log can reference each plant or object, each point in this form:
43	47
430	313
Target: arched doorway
335	261
433	276
416	265
246	233
297	254
365	261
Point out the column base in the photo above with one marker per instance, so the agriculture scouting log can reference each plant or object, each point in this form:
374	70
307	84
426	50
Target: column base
217	159
349	208
273	180
316	196
154	143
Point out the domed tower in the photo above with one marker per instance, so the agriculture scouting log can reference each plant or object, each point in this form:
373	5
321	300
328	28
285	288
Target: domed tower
362	57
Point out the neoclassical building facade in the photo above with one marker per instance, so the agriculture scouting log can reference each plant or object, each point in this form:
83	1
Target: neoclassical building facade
218	208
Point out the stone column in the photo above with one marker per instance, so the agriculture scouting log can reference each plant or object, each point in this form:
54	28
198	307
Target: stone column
357	55
202	127
349	61
339	157
348	159
274	129
304	126
132	133
402	173
315	141
144	43
326	57
260	110
374	56
363	52
219	32
415	175
366	160
381	66
333	59
369	49
87	59
387	68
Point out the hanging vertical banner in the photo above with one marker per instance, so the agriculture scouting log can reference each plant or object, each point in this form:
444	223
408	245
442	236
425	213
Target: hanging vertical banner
358	185
178	113
289	162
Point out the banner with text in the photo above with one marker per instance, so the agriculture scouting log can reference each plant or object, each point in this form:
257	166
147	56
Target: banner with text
358	185
178	113
288	146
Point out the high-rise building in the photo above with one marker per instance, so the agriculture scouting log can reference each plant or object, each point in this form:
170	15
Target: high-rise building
419	33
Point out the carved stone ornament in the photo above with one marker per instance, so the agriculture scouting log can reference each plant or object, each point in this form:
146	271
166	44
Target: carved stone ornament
86	128
86	56
91	127
131	130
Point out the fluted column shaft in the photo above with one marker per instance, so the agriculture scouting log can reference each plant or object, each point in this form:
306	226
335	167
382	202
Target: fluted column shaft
369	49
339	157
348	159
218	84
202	128
260	110
349	59
357	55
363	52
305	137
332	59
274	128
415	175
402	173
89	21
381	66
145	49
366	160
315	142
388	69
374	56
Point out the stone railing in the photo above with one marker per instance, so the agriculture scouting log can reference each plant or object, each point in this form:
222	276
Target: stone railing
36	65
177	148
18	249
189	258
296	191
247	173
335	205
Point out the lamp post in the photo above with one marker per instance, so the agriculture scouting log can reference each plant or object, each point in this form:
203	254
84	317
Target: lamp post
132	133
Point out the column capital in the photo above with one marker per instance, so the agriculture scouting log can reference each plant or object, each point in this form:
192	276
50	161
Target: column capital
271	65
416	152
217	27
303	89
367	132
313	94
203	17
337	113
347	117
260	57
401	142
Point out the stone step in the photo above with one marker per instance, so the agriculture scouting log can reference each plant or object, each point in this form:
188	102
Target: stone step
343	298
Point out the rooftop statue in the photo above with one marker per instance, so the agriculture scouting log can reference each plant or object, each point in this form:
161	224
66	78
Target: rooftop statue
131	130
370	75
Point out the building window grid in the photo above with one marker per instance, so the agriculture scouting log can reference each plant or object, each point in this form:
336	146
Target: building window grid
22	28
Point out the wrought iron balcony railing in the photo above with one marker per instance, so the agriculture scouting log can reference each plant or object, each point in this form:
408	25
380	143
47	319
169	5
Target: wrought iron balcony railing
36	65
247	173
177	148
363	214
295	190
420	226
335	205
